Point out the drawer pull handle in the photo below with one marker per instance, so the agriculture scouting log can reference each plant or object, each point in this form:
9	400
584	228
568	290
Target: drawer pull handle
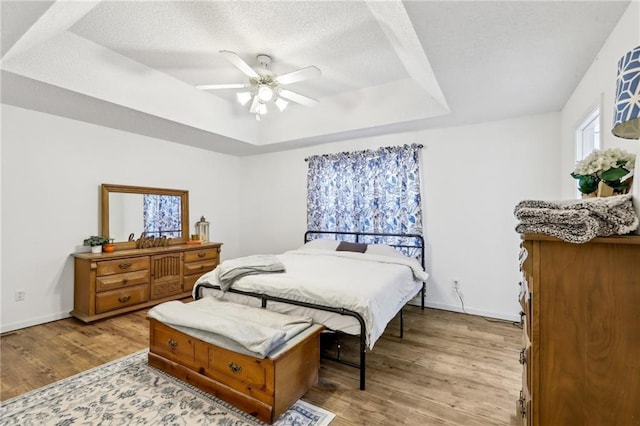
125	281
124	299
203	254
522	406
235	368
172	344
523	357
125	265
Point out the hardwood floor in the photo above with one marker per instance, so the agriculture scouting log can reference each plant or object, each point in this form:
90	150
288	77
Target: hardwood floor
449	369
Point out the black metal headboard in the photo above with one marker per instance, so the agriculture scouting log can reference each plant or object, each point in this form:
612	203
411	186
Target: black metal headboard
411	245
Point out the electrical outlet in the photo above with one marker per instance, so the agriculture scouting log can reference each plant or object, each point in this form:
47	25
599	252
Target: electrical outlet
20	295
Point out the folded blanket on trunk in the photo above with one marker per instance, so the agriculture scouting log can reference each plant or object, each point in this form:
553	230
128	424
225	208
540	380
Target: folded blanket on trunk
230	325
578	221
232	270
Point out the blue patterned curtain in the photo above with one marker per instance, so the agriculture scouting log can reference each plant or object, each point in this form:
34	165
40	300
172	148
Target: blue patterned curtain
365	191
162	216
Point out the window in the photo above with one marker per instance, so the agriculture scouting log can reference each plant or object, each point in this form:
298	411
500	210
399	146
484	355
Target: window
587	138
588	135
365	191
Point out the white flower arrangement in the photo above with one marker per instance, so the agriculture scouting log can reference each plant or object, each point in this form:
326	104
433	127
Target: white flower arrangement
609	166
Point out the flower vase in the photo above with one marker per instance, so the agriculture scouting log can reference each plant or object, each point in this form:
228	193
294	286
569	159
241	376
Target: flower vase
109	248
604	190
96	249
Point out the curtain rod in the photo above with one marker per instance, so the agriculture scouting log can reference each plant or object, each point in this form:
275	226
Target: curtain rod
419	146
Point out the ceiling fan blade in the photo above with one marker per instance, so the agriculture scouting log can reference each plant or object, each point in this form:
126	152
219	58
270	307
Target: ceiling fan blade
298	98
254	105
299	75
223	86
239	63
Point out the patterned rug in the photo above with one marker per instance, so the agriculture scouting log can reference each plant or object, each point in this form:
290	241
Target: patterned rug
130	392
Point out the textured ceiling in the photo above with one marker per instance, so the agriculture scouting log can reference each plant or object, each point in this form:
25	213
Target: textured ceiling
387	66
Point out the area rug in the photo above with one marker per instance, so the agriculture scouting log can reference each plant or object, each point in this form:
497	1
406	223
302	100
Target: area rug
130	392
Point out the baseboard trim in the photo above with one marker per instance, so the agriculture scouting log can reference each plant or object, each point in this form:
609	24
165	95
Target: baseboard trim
5	328
470	311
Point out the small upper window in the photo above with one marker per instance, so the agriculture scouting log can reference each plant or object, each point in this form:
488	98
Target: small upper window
588	137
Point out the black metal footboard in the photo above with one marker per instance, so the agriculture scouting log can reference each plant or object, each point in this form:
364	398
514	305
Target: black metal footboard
265	298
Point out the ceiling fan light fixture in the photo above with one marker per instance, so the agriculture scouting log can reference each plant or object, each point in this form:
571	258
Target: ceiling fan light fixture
265	93
264	86
281	104
244	97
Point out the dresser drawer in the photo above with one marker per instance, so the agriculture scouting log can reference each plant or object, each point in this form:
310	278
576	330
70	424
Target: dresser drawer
200	268
523	410
525	355
525	298
240	367
526	389
198	255
172	344
111	282
110	267
189	281
114	299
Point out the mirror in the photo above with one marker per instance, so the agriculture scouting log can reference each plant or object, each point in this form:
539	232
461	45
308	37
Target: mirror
157	212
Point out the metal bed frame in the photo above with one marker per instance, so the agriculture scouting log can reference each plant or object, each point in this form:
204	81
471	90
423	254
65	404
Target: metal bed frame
358	237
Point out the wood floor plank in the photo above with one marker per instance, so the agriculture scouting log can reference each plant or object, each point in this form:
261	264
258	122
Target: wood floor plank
449	369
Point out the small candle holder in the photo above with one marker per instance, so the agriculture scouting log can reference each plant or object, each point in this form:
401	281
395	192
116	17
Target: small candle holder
202	229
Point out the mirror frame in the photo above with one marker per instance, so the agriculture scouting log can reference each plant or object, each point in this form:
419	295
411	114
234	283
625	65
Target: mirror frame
107	188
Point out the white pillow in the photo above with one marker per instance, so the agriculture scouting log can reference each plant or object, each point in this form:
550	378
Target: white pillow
383	250
321	244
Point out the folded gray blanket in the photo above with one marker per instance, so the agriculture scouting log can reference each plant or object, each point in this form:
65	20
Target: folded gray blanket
578	221
232	270
249	330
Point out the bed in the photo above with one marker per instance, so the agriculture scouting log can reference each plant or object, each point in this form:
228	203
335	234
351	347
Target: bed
351	282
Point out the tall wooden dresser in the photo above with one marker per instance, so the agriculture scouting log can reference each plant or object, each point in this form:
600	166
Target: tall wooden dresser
581	323
109	284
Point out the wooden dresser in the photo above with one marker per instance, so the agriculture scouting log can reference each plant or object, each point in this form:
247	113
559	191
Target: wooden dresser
109	284
581	323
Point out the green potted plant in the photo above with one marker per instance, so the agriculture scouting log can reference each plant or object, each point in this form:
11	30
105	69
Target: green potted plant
96	243
604	173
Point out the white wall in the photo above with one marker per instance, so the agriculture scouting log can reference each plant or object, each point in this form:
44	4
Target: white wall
52	169
473	176
598	86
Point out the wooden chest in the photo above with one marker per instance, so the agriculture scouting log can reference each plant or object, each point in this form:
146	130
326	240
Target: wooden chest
264	388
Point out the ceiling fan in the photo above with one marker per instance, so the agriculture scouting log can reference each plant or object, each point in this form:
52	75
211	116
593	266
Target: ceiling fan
264	86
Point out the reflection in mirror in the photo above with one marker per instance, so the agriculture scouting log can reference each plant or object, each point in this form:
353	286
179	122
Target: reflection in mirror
155	215
130	211
125	215
162	216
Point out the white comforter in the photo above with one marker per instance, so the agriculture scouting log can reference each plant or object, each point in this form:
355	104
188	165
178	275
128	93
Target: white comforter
374	286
